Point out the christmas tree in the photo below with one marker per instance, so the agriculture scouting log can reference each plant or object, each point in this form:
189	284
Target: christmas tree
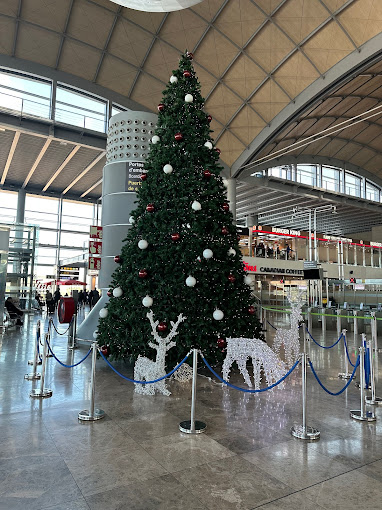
181	255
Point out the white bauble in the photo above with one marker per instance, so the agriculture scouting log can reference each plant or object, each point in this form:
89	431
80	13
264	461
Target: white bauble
208	145
190	281
95	334
117	292
173	79
143	244
167	169
225	182
189	98
103	313
196	206
131	220
208	254
155	139
218	315
147	301
248	280
232	252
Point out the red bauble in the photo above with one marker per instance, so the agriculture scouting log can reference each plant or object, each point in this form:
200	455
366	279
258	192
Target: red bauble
175	236
222	344
143	177
105	350
225	207
118	259
143	273
231	278
218	150
251	310
162	326
187	74
109	293
207	174
160	107
238	237
225	231
150	208
209	118
178	137
189	55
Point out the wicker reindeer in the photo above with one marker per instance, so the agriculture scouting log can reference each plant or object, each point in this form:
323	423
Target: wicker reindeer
147	370
289	338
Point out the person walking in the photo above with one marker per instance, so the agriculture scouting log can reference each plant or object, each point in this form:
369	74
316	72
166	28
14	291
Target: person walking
49	302
81	298
95	296
90	299
56	297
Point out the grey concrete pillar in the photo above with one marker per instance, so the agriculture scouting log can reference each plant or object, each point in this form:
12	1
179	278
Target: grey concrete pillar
19	231
128	139
231	196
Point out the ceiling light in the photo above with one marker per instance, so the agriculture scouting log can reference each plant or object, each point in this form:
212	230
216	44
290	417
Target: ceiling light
157	5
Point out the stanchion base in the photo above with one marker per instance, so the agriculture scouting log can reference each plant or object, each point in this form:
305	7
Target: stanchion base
368	416
31	361
32	377
185	426
374	402
45	393
72	347
344	375
310	434
49	355
85	415
358	385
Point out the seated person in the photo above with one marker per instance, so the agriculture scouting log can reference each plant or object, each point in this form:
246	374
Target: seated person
14	311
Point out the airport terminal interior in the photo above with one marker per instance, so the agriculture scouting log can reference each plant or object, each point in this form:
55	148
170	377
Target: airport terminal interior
203	176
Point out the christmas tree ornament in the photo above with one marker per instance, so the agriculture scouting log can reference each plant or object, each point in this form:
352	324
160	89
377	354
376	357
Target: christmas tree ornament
208	145
150	208
167	169
218	315
247	280
155	139
117	292
231	252
142	244
239	350
147	301
178	137
209	119
189	98
225	231
289	338
147	370
175	236
208	254
231	278
187	74
143	177
103	313
207	174
218	150
160	108
109	293
118	259
251	310
105	351
225	182
222	344
225	207
173	79
143	273
196	206
95	334
189	55
131	220
183	374
162	327
190	281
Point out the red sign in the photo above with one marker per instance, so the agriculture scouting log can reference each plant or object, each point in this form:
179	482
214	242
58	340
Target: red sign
250	269
95	232
95	247
94	263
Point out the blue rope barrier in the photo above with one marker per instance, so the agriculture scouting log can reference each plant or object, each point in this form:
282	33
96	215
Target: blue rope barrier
143	382
271	325
324	346
244	389
347	352
328	391
63	364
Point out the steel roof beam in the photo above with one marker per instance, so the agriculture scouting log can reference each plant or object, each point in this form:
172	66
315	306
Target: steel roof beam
63	35
18	19
107	43
37	161
84	171
62	166
91	188
10	156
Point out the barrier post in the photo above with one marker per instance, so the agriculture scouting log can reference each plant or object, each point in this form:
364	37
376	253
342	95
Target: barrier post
323	323
72	333
303	431
42	392
34	375
345	374
338	311
92	414
374	331
355	322
362	414
193	426
372	400
49	354
309	320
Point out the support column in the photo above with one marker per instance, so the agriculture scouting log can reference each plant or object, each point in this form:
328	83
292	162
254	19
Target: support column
231	196
19	231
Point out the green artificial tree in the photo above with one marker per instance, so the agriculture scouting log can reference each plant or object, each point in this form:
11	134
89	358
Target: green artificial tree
181	254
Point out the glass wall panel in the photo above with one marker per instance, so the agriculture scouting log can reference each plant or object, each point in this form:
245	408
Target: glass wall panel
331	178
352	185
372	192
307	174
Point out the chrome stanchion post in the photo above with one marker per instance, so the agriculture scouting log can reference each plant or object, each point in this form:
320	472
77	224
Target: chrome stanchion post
49	354
193	426
355	322
338	322
374	331
323	323
304	431
372	400
362	414
345	374
309	320
42	392
72	333
34	375
92	414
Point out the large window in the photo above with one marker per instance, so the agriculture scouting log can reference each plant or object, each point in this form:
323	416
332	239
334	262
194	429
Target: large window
352	185
331	178
372	192
307	174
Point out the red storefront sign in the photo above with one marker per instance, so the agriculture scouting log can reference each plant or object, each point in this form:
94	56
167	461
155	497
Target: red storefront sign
95	232
95	247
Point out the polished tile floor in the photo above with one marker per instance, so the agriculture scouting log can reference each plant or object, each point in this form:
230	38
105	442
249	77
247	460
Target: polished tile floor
137	459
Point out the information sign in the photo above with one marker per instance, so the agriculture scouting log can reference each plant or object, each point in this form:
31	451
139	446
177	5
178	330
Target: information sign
95	247
95	232
94	263
134	170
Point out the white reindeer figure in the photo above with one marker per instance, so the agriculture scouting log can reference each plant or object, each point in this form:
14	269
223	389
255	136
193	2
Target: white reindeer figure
289	338
240	349
147	370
